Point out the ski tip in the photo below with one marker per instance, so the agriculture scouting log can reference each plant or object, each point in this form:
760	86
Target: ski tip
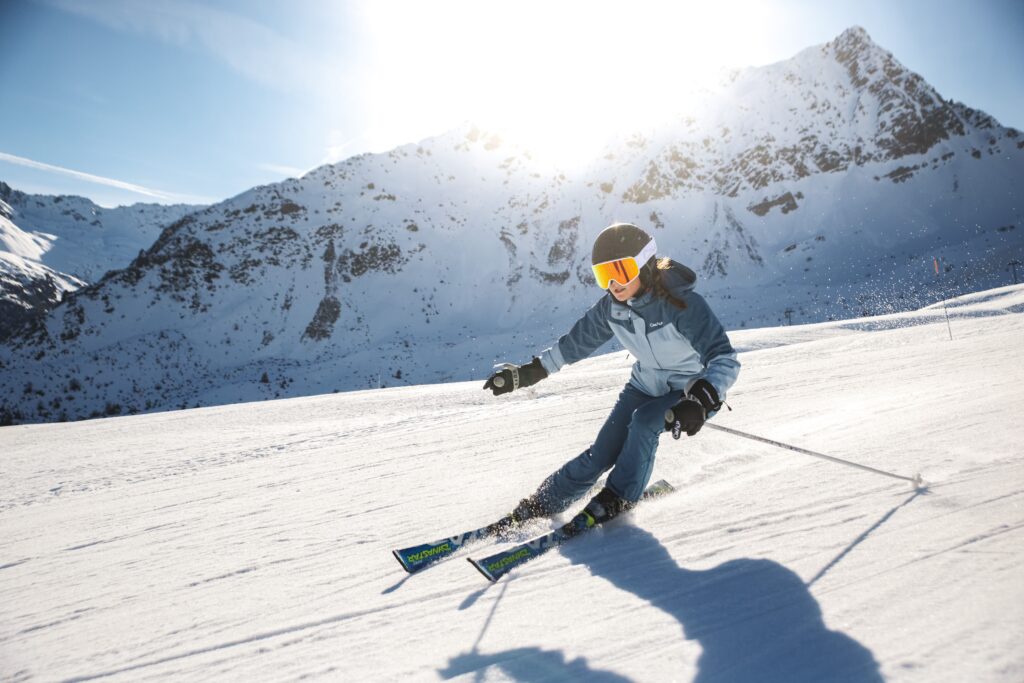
398	557
483	571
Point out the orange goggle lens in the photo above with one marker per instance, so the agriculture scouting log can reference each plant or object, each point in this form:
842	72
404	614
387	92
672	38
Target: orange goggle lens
623	271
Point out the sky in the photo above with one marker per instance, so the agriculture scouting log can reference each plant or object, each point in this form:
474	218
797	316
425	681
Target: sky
126	101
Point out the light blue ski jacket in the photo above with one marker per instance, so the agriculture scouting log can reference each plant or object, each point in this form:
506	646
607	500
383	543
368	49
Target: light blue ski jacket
673	348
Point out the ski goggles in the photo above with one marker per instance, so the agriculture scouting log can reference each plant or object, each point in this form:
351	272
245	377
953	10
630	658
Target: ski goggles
624	270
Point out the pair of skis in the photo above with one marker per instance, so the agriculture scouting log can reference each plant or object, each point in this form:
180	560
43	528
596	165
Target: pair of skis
418	557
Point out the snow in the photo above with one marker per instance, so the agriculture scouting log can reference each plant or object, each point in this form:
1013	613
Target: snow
253	541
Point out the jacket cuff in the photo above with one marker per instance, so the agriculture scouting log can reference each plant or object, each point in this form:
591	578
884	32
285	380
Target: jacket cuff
552	359
721	394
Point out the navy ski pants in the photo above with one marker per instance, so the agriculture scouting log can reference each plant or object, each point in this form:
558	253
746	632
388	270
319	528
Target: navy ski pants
625	445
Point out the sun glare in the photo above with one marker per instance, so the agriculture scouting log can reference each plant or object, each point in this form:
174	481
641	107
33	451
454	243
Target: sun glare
559	77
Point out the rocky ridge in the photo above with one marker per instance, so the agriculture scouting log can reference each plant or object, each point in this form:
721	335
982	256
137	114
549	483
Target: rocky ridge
819	187
50	245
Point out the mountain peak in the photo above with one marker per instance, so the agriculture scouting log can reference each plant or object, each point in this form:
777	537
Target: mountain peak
854	49
855	34
911	117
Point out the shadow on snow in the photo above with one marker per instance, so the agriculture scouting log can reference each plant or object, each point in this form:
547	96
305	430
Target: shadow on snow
529	664
754	619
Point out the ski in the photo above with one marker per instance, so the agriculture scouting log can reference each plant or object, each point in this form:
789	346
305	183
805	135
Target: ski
417	557
499	564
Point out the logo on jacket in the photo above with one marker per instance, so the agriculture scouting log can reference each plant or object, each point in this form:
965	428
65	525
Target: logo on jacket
653	325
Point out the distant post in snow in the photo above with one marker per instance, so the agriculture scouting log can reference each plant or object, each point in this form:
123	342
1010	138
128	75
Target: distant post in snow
789	315
949	329
1013	265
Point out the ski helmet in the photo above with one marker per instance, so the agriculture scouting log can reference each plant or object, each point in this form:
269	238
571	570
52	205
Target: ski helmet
623	252
619	240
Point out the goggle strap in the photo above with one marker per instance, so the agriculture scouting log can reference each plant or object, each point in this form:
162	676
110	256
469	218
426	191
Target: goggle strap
646	254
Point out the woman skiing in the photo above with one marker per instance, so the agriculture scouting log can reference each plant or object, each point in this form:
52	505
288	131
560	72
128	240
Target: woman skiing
684	364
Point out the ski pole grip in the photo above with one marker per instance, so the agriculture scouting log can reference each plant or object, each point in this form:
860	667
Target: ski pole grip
499	379
677	427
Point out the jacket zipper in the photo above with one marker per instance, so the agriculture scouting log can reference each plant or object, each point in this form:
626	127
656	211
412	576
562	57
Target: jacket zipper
657	363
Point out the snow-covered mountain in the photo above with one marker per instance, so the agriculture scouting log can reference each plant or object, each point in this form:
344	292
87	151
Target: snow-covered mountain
55	244
253	542
819	187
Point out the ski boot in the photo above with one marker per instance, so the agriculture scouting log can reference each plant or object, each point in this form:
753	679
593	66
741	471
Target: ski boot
604	506
528	508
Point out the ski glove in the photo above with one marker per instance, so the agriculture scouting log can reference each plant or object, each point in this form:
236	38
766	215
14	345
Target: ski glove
690	413
685	416
511	377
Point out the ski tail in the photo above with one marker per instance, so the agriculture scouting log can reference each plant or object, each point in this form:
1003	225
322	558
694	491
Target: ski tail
483	570
417	557
496	566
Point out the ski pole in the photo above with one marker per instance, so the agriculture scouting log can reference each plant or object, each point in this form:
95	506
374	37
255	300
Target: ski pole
916	480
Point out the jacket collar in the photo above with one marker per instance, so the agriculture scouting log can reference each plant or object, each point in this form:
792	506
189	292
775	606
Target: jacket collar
641	300
638	301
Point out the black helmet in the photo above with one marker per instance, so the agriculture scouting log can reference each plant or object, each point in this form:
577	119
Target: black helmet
619	240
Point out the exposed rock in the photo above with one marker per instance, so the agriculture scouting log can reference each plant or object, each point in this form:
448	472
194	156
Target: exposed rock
786	201
322	324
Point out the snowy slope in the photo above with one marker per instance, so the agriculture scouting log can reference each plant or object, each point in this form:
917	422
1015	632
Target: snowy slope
27	287
818	188
252	542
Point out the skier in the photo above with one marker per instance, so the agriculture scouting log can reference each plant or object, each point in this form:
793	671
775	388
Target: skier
684	364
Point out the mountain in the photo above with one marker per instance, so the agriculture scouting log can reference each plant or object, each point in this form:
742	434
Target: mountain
55	244
253	542
820	187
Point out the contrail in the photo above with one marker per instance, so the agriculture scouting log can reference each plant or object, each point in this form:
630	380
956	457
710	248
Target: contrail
89	177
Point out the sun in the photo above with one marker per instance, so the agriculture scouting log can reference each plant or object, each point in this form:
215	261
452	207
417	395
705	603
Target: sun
560	78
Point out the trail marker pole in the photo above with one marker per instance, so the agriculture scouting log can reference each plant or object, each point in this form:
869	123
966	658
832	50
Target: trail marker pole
945	310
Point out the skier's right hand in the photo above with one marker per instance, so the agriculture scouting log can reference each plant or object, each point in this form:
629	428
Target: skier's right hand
511	377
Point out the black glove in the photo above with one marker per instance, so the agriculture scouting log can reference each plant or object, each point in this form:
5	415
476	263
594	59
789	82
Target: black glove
512	377
690	413
685	416
705	393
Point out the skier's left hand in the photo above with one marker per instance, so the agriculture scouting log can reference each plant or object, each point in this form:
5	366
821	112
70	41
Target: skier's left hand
685	416
690	413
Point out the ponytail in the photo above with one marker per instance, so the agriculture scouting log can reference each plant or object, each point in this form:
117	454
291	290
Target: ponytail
656	281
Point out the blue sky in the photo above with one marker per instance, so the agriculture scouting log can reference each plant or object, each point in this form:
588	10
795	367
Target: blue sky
125	101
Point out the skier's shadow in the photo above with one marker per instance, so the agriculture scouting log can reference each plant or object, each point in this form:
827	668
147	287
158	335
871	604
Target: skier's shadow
755	620
529	664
